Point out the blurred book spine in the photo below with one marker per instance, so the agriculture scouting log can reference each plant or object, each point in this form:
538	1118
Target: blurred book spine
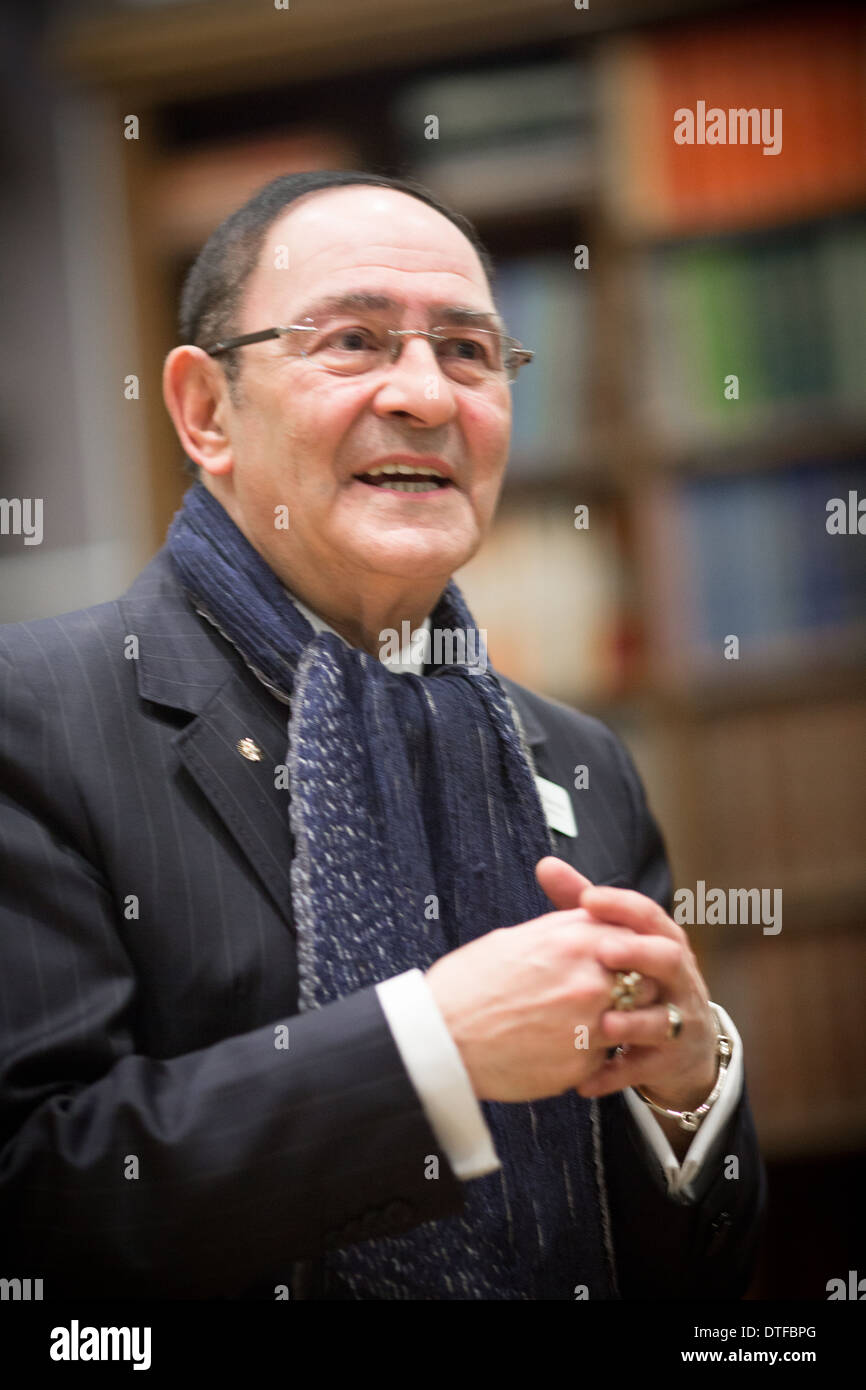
750	555
783	313
502	140
814	74
799	1000
544	302
193	191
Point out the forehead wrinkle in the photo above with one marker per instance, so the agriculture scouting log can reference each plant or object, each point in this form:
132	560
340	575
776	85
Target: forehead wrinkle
348	256
258	298
442	310
352	252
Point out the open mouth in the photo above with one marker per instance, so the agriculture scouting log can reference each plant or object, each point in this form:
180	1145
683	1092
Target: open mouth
402	477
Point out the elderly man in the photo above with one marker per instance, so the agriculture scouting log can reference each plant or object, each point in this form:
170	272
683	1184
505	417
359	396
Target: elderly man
311	986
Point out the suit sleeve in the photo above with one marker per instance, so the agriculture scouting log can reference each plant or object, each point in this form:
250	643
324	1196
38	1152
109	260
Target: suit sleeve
666	1246
199	1175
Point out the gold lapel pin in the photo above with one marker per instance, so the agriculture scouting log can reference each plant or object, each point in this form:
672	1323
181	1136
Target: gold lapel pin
248	749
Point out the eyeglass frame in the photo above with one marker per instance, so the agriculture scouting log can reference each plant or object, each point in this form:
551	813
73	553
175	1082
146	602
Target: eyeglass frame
518	355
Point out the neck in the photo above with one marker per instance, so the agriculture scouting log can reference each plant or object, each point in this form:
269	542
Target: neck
372	612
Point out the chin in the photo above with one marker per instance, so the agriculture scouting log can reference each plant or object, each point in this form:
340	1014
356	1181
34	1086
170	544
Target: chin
418	555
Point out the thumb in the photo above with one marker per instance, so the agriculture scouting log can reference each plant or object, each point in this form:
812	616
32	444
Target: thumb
562	884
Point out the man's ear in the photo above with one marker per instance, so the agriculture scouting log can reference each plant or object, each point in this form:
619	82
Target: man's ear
195	394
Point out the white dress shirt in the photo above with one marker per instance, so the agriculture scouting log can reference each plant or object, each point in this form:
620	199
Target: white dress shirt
432	1059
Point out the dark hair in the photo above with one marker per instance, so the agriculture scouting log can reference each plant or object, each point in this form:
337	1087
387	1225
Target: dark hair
214	287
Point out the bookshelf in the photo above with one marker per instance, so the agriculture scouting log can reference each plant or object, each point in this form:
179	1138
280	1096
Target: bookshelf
694	272
745	264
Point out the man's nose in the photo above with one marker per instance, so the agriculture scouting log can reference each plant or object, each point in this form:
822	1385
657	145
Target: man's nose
415	385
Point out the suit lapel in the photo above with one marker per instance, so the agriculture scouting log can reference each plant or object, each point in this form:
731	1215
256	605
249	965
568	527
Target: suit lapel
215	749
547	764
238	733
536	738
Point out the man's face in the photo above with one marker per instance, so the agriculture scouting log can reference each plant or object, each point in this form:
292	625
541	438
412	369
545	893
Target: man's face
300	435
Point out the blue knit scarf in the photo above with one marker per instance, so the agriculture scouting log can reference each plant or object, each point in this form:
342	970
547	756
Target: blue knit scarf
417	826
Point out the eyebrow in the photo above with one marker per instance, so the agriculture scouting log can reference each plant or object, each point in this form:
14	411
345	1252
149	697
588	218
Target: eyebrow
457	315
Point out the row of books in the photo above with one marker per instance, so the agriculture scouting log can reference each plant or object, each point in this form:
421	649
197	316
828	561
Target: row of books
750	555
811	72
545	304
519	136
774	798
485	106
798	1006
491	140
781	803
191	191
782	312
549	596
745	583
504	139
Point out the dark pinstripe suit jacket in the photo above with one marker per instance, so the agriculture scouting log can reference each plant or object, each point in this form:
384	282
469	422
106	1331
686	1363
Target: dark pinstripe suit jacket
155	1142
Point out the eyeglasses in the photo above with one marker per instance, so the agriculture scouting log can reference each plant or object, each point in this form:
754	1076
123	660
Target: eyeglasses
470	356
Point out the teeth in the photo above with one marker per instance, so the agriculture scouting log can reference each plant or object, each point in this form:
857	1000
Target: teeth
392	469
405	487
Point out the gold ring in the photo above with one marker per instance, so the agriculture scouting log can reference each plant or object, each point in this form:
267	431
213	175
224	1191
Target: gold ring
623	991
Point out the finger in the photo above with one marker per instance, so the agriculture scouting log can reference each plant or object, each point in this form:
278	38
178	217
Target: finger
627	908
656	956
648	991
562	884
617	1073
647	1027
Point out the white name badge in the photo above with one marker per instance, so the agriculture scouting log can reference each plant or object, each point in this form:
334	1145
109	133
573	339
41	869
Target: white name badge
557	807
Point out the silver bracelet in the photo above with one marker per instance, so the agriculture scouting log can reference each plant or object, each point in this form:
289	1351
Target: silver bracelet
691	1120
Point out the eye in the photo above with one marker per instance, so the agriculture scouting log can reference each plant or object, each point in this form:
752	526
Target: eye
354	339
470	349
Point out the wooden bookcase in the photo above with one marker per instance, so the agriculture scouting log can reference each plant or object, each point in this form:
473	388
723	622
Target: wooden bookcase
227	71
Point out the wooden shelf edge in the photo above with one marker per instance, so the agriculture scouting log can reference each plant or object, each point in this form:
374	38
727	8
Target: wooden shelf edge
191	48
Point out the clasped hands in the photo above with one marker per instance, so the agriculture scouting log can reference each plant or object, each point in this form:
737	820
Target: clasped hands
635	933
513	1000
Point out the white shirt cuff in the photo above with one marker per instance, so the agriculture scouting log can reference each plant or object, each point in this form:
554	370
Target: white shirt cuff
681	1176
432	1059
